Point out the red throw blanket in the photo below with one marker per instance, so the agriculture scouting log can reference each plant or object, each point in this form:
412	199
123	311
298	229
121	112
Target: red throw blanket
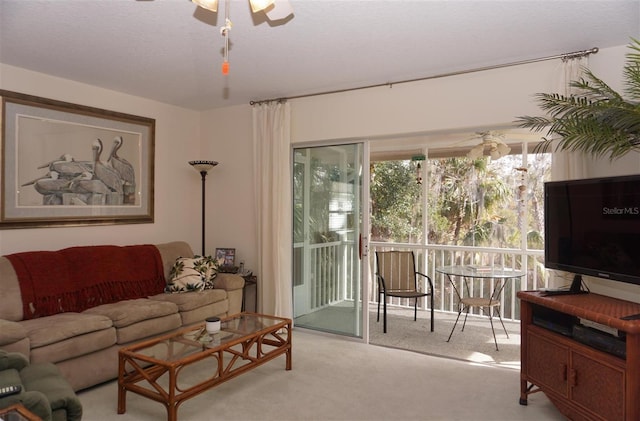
78	278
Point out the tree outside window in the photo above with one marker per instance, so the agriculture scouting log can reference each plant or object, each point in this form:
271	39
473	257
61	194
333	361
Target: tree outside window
471	202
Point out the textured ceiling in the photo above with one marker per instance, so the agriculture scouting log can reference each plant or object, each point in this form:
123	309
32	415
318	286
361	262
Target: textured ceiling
171	50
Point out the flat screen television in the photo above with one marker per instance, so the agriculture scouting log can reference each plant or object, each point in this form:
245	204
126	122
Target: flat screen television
592	227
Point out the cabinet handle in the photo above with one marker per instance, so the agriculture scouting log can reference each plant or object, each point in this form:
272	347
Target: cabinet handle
573	378
563	371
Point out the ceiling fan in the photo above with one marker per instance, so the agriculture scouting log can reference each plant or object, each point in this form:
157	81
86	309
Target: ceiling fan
273	9
492	143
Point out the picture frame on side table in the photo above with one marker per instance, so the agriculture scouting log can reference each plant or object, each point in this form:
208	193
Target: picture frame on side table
226	259
69	164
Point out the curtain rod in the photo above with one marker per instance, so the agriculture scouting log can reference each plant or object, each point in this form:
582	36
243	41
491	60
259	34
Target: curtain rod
563	57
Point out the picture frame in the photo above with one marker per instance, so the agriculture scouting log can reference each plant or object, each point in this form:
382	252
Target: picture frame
65	164
225	257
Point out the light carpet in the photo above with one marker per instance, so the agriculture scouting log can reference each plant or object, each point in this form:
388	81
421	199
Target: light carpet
474	344
339	379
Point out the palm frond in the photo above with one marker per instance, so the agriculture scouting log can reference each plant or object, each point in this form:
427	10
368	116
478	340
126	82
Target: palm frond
544	146
632	70
594	88
632	87
596	120
634	57
536	124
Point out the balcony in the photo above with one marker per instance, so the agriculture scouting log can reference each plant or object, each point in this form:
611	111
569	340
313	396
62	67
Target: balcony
429	257
330	263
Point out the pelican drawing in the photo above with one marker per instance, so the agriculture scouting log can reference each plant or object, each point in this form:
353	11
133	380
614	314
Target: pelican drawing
51	175
121	165
103	172
85	184
52	184
72	169
67	167
64	158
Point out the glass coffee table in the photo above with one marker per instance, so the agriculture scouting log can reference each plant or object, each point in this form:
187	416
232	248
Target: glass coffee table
175	367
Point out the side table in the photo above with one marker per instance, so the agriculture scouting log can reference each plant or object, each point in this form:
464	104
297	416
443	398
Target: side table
250	294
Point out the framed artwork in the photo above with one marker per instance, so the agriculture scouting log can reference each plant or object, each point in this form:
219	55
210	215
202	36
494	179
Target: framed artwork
68	164
225	257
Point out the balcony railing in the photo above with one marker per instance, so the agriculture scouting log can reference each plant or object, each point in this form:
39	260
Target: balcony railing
332	269
429	257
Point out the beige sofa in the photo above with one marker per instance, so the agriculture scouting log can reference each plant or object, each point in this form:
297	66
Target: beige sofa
84	344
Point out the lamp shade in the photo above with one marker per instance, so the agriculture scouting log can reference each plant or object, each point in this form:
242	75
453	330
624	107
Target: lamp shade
258	5
280	10
207	4
203	166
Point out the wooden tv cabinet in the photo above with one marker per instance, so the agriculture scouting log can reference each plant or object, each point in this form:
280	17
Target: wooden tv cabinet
581	381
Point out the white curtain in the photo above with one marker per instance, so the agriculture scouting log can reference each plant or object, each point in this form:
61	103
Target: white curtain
272	172
567	165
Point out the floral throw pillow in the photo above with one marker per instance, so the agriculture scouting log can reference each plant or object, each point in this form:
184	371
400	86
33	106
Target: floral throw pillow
192	274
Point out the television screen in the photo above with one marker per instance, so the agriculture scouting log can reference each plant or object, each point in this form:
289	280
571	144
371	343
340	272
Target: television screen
592	227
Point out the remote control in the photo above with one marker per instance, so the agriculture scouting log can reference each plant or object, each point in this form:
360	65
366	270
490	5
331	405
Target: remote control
9	390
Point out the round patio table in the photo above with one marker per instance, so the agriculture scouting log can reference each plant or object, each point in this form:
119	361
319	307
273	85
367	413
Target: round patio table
464	292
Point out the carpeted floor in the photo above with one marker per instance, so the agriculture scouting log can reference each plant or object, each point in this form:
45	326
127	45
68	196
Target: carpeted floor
475	344
335	378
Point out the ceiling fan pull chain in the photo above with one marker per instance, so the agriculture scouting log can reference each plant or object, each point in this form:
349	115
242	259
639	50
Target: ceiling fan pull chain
224	31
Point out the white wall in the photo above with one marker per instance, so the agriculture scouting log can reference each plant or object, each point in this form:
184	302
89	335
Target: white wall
177	185
227	138
478	99
490	98
181	135
483	99
464	101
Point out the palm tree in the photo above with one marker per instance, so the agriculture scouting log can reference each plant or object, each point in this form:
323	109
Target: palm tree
396	210
468	201
598	120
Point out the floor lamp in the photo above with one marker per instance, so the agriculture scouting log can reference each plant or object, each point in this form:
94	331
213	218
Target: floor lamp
203	168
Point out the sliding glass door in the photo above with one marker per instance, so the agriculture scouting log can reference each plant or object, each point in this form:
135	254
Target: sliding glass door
328	191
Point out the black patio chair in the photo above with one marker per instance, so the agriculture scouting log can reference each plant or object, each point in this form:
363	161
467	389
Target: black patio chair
397	277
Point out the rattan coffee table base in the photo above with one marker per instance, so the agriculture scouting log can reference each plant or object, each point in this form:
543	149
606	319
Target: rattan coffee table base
152	368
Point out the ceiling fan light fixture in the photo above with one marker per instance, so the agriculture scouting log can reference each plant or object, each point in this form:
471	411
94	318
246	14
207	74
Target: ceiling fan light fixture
272	10
258	5
207	4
